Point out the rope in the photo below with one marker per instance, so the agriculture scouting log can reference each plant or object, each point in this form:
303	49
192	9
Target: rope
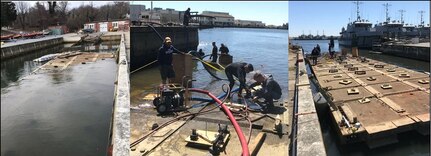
143	66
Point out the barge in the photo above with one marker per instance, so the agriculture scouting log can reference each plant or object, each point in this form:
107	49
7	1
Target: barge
372	101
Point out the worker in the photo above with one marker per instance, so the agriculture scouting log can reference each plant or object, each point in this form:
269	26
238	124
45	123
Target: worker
318	49
186	17
270	88
165	60
224	49
330	50
239	70
214	54
314	55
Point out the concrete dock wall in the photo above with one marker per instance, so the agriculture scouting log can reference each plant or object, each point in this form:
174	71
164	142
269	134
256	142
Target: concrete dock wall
11	50
414	51
120	133
145	42
309	137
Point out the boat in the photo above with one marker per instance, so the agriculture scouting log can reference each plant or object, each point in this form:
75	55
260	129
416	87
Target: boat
362	34
46	58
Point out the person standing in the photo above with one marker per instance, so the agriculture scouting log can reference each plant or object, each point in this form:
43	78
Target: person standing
214	54
270	91
239	70
165	60
224	49
186	17
314	55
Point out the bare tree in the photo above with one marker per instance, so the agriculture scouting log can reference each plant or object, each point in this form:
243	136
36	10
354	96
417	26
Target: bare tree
62	11
22	10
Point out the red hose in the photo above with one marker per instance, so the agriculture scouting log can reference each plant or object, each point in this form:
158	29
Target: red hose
238	130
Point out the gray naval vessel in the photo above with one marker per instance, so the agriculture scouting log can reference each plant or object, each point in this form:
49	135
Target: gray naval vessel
363	34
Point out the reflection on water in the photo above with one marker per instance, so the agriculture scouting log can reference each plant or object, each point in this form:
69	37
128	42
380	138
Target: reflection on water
58	112
410	143
266	49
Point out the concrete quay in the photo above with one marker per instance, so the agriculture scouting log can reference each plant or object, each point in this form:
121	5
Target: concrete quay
305	123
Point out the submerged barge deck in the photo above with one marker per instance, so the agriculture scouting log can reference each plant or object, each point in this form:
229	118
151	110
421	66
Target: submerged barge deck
372	101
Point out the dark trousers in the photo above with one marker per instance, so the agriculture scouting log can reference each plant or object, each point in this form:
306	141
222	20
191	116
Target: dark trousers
186	22
269	96
214	58
232	83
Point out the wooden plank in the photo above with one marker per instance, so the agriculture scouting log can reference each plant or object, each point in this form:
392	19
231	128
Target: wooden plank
403	121
349	114
393	105
147	145
423	117
383	126
257	143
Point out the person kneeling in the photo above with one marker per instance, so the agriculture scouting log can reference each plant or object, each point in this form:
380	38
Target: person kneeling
270	89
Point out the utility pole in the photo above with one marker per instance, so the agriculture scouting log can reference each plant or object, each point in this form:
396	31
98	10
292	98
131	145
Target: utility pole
387	5
402	13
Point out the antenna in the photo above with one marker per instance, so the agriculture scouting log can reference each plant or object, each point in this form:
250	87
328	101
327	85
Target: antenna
387	5
422	15
402	13
358	17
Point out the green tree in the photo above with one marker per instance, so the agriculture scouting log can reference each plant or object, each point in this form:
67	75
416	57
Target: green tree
8	13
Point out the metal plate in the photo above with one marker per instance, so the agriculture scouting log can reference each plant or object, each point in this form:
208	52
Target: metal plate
371	113
413	75
379	79
415	103
336	85
331	77
397	87
415	81
341	94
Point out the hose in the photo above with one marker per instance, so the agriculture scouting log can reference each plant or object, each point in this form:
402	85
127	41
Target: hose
241	137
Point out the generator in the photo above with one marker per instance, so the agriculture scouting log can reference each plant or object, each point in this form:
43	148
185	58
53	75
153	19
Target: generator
170	99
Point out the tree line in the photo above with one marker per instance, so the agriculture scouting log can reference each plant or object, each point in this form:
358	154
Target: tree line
41	15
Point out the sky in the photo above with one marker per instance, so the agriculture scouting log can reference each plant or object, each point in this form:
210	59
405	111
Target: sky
269	12
332	16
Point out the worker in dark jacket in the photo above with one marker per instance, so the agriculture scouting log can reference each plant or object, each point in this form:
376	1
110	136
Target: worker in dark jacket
224	49
314	55
186	17
214	54
239	70
270	88
165	60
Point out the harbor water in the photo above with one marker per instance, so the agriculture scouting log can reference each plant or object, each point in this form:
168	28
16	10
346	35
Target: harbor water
410	143
266	49
57	112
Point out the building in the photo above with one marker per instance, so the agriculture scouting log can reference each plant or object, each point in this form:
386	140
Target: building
162	16
105	26
135	12
249	23
221	19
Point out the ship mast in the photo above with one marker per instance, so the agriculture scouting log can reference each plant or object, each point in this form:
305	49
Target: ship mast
422	16
402	13
358	17
387	12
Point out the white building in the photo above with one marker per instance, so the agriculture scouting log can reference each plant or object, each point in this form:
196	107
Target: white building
219	18
249	23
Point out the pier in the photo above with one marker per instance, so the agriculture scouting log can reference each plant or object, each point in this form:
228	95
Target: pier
305	123
418	51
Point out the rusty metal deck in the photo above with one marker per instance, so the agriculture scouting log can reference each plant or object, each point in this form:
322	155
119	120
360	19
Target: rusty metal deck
391	99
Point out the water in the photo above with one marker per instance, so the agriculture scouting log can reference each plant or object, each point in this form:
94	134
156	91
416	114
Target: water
410	143
266	49
56	113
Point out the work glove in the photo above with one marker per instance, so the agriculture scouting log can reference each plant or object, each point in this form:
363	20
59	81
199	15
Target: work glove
248	94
